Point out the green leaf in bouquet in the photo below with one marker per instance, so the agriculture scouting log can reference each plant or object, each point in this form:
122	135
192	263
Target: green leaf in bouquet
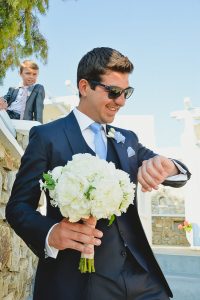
87	194
49	181
111	220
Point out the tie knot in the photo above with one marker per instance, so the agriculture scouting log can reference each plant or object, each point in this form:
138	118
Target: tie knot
96	127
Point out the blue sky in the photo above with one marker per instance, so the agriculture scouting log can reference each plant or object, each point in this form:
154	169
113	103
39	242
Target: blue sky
161	38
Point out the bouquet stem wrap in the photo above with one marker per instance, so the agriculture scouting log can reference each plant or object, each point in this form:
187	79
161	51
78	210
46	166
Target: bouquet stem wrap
86	263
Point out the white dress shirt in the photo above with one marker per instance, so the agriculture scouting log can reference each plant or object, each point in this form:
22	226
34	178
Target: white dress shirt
84	123
19	104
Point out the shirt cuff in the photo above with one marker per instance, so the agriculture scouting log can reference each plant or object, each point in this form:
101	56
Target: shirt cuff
179	177
49	250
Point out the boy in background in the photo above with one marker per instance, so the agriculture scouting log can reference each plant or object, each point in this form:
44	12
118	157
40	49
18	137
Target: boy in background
25	102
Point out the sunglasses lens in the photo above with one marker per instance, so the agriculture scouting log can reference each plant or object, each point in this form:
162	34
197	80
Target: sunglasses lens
114	92
128	92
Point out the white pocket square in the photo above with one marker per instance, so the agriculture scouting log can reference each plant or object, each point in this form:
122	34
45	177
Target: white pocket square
130	151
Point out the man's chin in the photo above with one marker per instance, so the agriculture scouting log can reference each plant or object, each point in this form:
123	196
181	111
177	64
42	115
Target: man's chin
29	83
110	119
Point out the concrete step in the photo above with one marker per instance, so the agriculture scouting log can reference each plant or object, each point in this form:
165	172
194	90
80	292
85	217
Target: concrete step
184	288
180	264
182	270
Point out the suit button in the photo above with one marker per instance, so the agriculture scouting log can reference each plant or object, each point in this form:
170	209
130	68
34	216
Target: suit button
123	253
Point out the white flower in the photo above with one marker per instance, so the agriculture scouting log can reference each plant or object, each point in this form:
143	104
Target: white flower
120	138
56	172
111	133
42	185
89	186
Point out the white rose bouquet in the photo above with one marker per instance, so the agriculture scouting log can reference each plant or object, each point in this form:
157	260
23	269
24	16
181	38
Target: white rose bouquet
89	186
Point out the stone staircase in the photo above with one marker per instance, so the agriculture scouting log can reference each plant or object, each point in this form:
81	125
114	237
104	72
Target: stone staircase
181	267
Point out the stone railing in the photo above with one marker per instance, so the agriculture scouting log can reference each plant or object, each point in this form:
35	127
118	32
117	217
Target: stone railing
17	262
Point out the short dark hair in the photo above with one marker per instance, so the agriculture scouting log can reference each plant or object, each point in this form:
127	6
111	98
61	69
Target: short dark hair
100	60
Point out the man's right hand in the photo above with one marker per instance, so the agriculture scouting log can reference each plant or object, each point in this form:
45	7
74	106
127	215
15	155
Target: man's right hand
3	104
74	236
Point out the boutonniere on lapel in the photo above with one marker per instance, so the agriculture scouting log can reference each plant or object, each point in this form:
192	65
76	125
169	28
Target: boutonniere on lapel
120	138
116	135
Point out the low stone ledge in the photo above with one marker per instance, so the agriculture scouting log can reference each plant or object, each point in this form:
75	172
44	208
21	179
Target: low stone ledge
17	265
9	142
176	250
17	262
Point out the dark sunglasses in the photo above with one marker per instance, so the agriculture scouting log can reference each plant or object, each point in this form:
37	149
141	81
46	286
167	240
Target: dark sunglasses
113	91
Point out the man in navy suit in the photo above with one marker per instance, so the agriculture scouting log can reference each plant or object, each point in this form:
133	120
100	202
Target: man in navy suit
125	265
27	101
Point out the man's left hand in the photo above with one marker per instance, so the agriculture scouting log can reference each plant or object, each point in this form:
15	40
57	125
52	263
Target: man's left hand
3	104
154	171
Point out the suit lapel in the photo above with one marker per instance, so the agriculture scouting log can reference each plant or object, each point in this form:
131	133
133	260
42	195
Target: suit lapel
30	92
74	135
14	95
121	150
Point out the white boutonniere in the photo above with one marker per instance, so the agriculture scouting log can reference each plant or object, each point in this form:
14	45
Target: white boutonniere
116	135
119	138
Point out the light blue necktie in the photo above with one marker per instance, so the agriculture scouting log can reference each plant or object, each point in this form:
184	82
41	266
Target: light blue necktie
100	147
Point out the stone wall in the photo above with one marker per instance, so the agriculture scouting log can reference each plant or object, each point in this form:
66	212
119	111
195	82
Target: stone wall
17	262
22	139
166	232
168	210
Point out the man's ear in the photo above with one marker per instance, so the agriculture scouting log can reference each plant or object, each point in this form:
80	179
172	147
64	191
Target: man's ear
83	86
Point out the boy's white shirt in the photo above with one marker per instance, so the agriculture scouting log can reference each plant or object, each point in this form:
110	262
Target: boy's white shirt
21	98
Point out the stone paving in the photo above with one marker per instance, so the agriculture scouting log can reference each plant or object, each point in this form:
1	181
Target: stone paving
181	266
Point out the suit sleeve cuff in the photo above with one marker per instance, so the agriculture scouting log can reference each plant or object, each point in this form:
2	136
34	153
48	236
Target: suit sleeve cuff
180	177
50	251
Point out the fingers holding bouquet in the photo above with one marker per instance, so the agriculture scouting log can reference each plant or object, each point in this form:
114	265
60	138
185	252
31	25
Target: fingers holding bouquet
76	236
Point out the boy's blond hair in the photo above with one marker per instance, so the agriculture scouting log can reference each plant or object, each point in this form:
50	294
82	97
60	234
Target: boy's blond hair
28	64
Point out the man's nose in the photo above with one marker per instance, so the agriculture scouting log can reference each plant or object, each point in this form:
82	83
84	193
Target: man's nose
120	100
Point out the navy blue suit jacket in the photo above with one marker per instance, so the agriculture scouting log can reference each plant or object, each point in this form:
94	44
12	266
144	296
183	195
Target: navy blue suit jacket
51	145
34	104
